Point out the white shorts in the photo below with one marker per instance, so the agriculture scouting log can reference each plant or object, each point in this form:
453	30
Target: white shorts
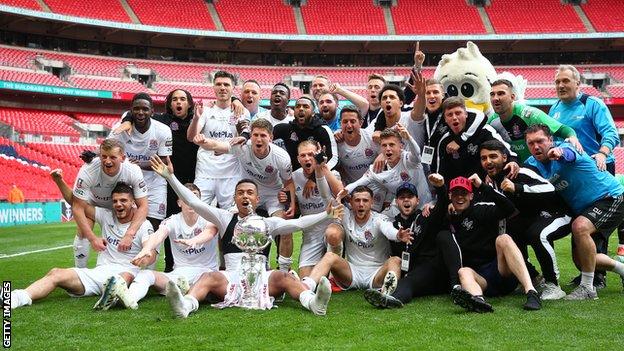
157	202
93	279
220	188
191	274
361	277
313	246
234	293
269	201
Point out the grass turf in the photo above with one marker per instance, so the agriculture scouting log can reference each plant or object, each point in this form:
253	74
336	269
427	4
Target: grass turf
64	323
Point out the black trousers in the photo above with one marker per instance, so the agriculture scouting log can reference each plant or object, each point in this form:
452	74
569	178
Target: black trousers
432	276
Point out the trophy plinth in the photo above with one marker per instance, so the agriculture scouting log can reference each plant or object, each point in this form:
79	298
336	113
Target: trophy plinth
251	235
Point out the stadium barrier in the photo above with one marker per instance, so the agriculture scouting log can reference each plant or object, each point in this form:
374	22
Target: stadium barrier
29	213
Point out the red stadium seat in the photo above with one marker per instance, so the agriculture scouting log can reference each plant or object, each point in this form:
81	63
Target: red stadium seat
182	13
433	16
29	4
605	15
260	16
544	16
110	10
354	17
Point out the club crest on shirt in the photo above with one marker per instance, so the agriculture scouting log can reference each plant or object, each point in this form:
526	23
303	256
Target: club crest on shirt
197	231
174	126
517	133
405	176
269	169
472	149
162	209
79	183
153	144
468	224
293	136
368	236
368	152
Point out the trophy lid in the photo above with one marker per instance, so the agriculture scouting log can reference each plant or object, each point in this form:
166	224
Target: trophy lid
251	233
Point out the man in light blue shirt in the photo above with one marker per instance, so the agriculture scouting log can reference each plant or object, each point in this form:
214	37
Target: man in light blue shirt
591	120
595	197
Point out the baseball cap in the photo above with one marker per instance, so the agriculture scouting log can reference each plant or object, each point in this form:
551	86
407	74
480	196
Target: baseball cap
407	187
461	182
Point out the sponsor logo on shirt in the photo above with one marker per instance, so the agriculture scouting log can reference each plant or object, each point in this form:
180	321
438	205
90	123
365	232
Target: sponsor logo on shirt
169	143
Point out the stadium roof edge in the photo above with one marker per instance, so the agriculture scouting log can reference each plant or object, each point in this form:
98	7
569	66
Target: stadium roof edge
297	37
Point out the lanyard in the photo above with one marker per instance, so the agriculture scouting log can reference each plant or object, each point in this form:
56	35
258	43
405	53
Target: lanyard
431	130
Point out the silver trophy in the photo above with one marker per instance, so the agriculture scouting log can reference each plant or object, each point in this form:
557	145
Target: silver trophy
251	235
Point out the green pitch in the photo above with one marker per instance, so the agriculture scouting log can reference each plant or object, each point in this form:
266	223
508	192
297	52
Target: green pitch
63	323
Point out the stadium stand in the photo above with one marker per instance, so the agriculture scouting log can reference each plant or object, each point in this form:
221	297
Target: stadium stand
196	90
130	86
546	16
15	58
38	122
110	10
35	77
605	15
355	17
259	16
29	4
92	65
183	14
616	90
97	118
423	17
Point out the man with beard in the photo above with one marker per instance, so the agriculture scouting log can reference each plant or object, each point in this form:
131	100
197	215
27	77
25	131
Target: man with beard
250	97
93	186
430	263
515	118
542	216
306	126
269	166
148	138
216	175
112	262
329	110
227	285
595	197
366	235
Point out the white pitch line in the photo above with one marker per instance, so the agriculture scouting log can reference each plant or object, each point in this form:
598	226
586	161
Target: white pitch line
34	251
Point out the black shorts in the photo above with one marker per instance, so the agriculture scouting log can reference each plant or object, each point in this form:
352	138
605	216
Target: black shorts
497	285
606	214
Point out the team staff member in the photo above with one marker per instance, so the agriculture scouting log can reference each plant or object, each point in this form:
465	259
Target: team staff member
433	258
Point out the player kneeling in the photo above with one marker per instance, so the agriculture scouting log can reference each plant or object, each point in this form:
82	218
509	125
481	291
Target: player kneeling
113	270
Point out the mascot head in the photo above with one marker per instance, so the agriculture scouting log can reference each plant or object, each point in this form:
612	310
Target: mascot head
467	74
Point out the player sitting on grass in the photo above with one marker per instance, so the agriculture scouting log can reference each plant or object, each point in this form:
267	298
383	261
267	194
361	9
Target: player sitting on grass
194	251
227	285
432	260
492	263
367	247
113	270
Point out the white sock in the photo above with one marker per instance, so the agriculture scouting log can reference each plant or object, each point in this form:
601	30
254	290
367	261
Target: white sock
284	263
81	252
619	268
305	298
20	298
587	279
191	303
310	283
140	285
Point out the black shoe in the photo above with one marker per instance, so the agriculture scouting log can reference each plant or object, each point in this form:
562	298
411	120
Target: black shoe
600	281
380	300
533	301
470	302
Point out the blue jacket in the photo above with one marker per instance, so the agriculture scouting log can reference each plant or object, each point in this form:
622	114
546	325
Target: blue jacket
591	121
